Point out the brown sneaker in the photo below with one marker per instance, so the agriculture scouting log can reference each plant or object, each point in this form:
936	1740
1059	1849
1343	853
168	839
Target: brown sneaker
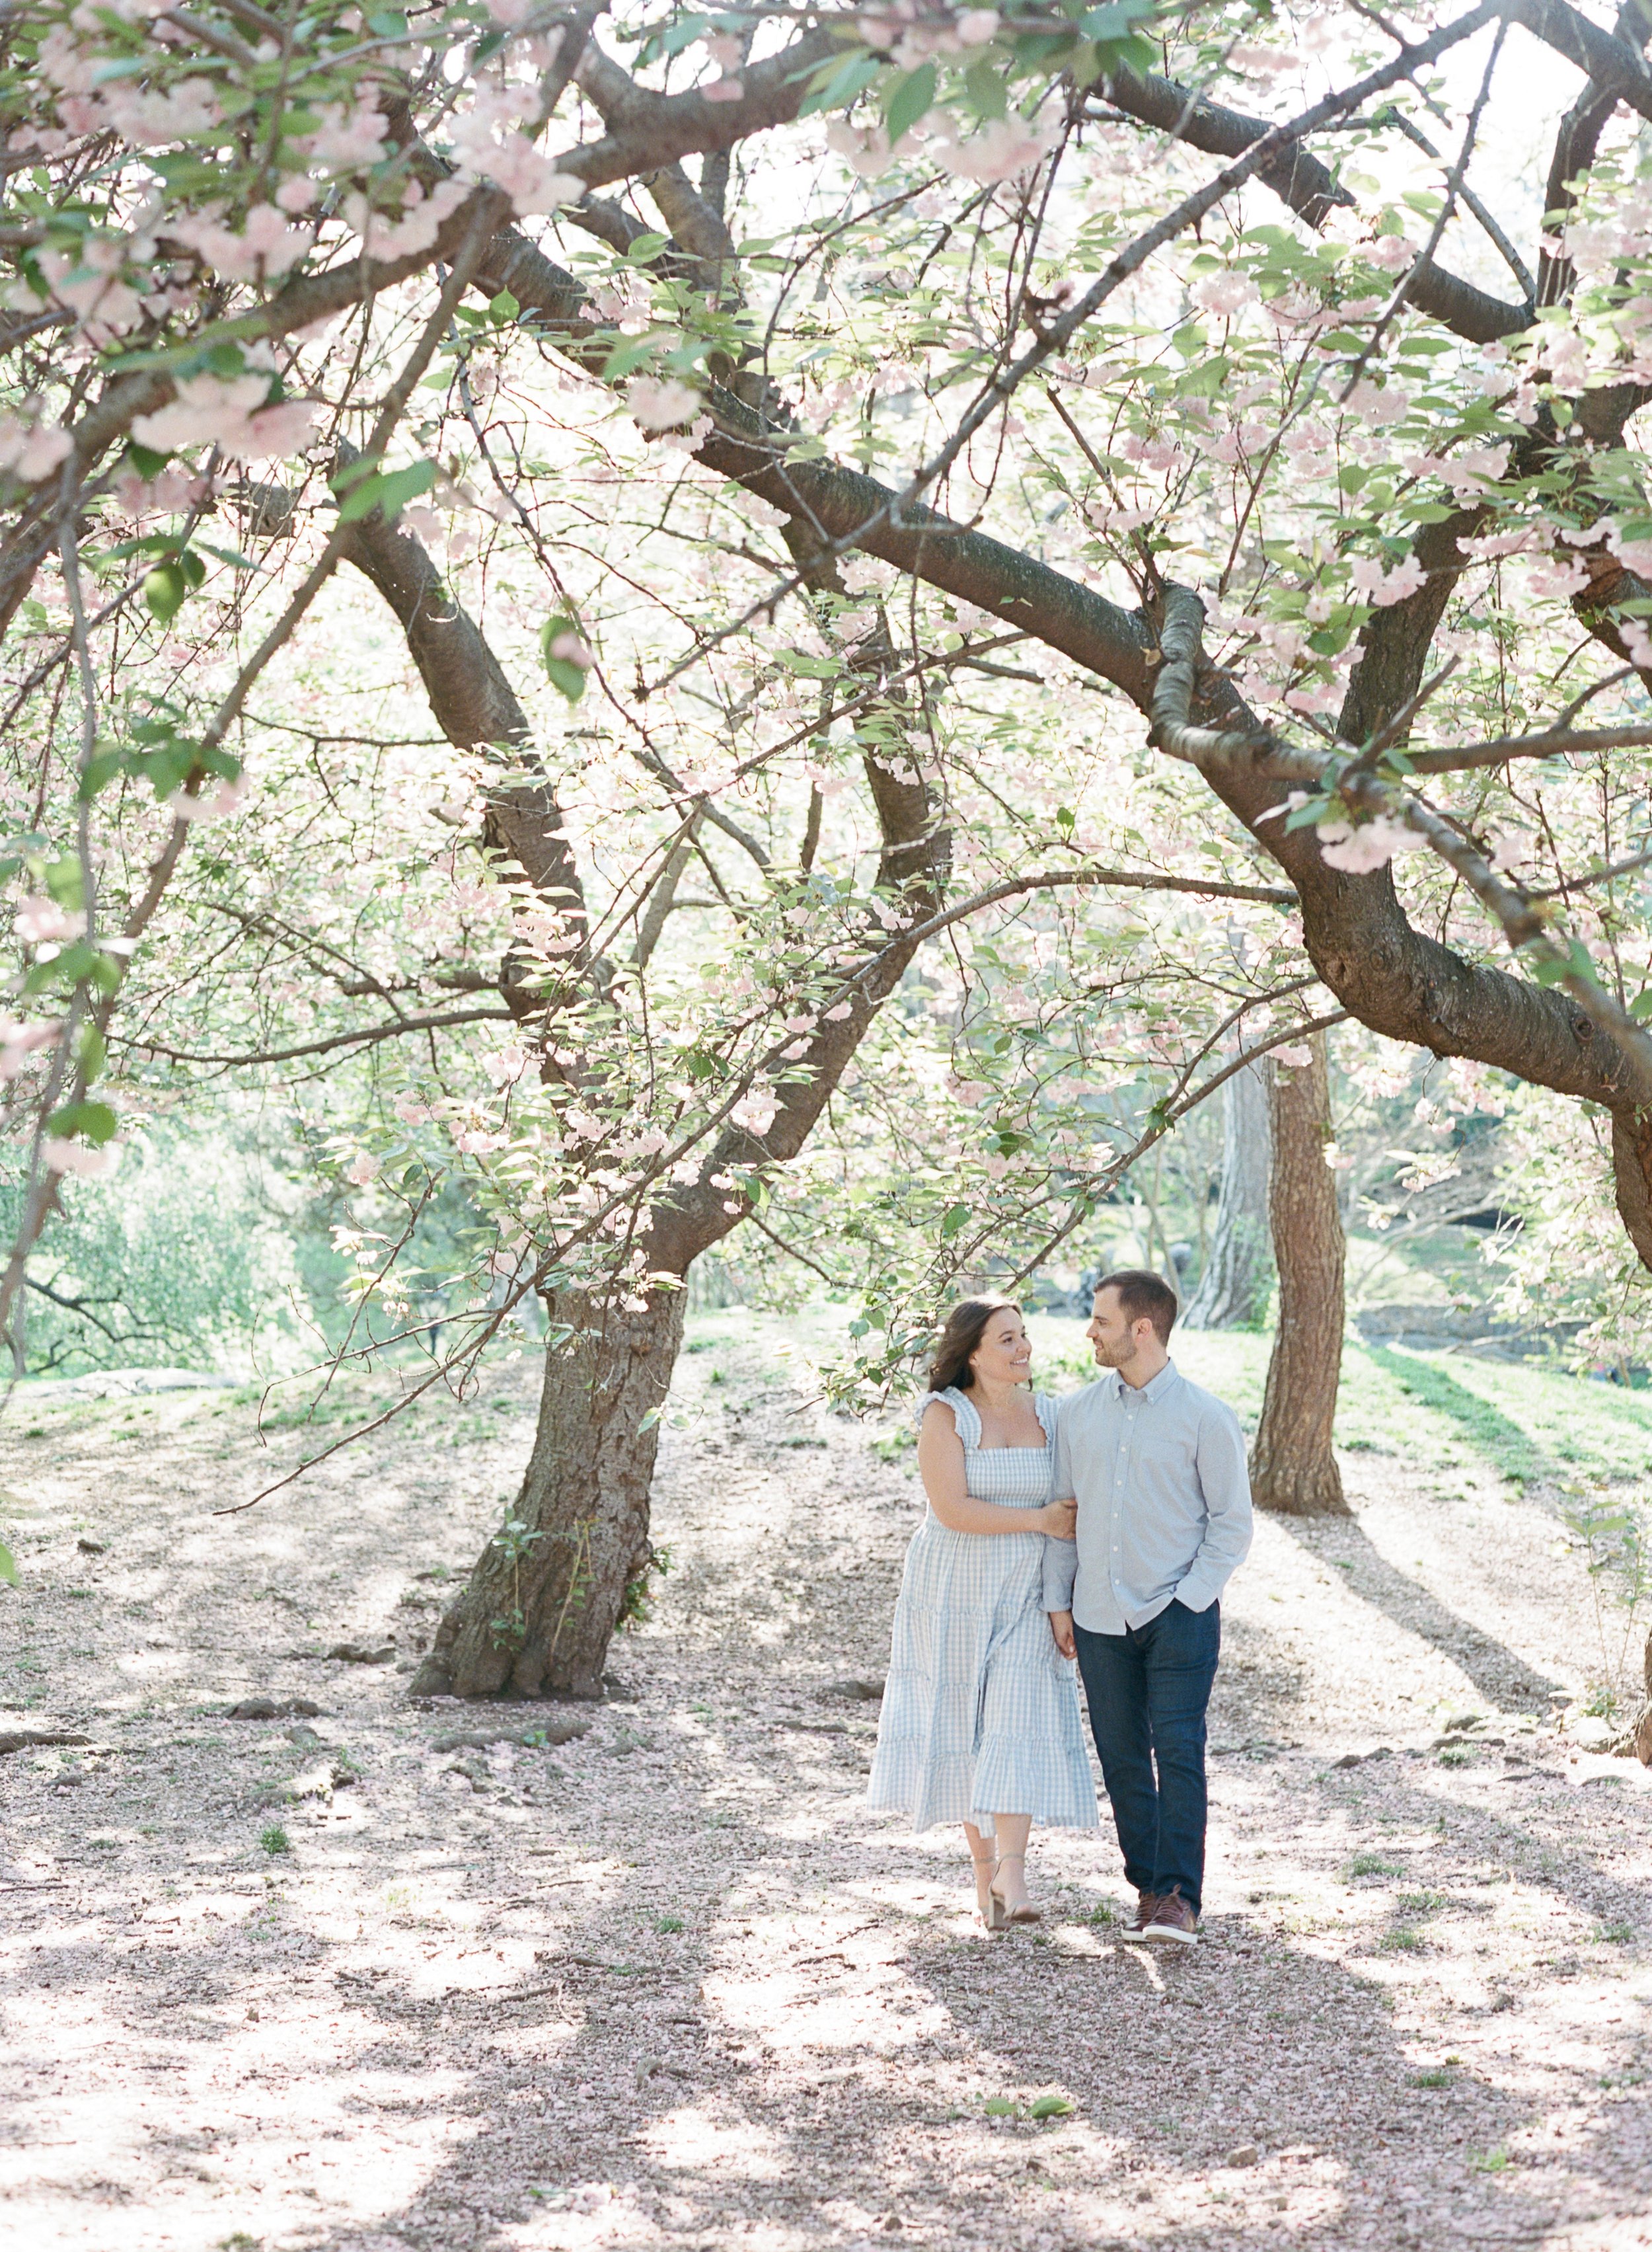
1172	1920
1145	1904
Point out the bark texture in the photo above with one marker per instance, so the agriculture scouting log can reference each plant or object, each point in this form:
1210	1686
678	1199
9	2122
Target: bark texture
1231	1292
1293	1468
541	1604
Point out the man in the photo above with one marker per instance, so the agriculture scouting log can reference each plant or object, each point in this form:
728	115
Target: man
1157	1468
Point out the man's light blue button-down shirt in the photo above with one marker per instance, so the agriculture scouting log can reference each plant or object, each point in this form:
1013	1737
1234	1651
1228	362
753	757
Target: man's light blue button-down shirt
1164	1495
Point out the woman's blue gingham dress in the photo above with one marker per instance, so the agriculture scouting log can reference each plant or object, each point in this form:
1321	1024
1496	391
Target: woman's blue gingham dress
981	1710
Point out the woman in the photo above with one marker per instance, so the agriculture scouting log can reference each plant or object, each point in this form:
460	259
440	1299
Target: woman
980	1712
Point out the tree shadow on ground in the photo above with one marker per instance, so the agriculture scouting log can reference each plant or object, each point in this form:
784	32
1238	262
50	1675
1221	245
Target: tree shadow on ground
1507	1681
1494	1438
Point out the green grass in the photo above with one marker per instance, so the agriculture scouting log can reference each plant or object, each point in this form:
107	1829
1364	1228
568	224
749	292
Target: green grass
1454	1755
1438	2078
1450	1411
1372	1864
1402	1939
1525	1423
274	1839
668	1923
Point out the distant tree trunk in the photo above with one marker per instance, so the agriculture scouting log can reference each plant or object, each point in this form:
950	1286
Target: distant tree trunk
1292	1466
1638	1738
1232	1291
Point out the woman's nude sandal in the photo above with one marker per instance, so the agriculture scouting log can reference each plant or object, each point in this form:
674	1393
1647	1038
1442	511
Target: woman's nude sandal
1004	1914
991	1908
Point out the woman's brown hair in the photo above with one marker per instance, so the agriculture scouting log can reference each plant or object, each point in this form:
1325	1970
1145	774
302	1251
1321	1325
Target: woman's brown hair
960	1337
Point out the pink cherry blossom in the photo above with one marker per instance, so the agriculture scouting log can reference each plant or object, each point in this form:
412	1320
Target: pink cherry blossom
180	112
1224	294
755	1111
866	149
1003	149
489	145
568	649
266	248
362	1168
347	141
40	921
661	402
20	1041
64	1157
1379	404
31	450
1373	845
225	411
723	89
209	805
506	1064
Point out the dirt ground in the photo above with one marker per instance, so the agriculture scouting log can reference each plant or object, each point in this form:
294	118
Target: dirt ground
667	1984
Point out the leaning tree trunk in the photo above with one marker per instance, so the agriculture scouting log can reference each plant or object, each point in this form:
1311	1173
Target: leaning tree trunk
1231	1292
1292	1466
541	1604
546	1594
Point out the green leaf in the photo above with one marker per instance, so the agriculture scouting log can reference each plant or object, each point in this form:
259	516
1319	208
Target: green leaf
505	306
561	672
8	1569
145	459
913	97
838	88
1050	2107
952	1219
1000	2107
232	556
984	82
1116	21
389	493
165	589
93	1122
566	676
646	249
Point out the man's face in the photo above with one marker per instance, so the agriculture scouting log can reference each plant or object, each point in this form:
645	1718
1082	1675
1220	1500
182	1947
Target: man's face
1113	1339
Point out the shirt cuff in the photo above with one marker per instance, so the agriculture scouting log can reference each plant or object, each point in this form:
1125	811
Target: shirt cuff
1194	1594
1061	1571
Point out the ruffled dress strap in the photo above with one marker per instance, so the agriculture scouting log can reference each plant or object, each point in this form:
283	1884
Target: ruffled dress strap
1046	1411
965	1413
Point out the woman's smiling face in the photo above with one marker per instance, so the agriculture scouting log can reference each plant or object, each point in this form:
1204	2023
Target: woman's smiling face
1004	1355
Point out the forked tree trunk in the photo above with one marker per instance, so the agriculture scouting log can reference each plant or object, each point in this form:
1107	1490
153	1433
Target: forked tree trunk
1231	1292
1293	1468
543	1599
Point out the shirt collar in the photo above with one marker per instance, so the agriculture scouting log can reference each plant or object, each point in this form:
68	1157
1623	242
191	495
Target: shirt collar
1156	1390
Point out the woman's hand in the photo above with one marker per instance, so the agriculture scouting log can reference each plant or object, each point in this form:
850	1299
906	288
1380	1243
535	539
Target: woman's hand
1058	1519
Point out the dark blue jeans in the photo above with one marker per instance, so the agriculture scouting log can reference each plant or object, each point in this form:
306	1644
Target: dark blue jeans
1148	1689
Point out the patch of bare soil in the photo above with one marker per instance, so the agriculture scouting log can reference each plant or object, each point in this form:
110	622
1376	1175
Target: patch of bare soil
666	1985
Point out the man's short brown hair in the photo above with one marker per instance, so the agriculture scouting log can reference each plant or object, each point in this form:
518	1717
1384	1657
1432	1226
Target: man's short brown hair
1144	1297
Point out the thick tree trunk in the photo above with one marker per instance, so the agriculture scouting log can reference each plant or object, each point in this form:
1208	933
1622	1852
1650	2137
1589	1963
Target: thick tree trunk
1232	1291
1293	1468
541	1604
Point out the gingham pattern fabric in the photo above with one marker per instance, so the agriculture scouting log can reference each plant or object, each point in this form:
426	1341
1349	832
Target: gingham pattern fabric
981	1710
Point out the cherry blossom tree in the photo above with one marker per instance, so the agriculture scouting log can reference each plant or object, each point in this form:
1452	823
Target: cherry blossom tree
769	528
